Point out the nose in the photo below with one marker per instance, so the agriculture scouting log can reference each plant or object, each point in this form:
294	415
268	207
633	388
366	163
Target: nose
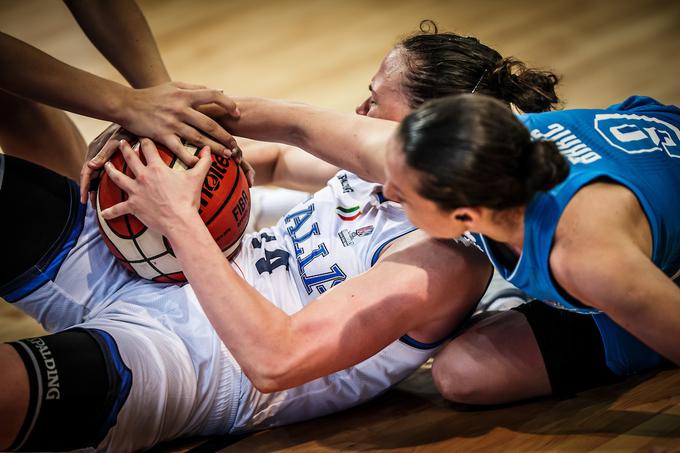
362	109
389	193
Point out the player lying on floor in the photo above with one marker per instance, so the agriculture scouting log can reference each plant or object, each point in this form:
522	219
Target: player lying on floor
133	363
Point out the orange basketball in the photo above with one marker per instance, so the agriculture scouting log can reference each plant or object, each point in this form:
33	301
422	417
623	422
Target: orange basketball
224	207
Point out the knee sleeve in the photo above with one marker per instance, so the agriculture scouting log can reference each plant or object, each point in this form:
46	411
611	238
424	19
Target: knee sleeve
41	217
77	385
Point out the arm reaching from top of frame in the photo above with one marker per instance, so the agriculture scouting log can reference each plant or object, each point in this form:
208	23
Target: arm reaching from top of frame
165	112
121	33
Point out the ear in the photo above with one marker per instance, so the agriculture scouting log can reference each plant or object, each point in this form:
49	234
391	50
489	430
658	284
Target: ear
468	216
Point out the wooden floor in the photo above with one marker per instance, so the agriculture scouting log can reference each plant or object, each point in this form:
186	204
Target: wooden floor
324	52
640	414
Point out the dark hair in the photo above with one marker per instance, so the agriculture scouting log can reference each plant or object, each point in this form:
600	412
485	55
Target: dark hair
441	64
471	150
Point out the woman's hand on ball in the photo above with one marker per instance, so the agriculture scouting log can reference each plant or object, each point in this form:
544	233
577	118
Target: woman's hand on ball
168	113
158	195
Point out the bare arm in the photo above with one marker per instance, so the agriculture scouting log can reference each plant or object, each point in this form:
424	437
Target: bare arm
286	166
603	260
121	33
31	73
165	112
349	141
626	285
344	326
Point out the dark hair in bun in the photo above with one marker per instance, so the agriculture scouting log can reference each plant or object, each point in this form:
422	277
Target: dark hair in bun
442	64
471	150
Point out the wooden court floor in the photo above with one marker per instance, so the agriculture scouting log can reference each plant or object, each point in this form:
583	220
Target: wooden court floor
641	414
325	52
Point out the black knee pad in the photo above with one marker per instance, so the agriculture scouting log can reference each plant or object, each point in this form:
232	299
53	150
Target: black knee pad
78	384
42	215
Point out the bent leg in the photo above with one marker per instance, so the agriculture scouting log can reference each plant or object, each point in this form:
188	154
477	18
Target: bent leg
61	272
532	350
37	206
497	360
40	134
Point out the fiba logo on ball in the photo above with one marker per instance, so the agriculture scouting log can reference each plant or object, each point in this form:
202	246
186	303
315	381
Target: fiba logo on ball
224	207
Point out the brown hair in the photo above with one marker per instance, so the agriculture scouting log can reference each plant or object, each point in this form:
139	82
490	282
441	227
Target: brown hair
441	64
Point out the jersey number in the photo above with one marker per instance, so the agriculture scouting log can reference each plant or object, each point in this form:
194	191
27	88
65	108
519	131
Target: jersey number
635	134
272	259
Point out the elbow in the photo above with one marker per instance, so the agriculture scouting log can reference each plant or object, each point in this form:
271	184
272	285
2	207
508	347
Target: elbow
274	375
266	385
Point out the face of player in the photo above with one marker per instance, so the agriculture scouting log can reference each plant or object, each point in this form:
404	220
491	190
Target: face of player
387	99
401	185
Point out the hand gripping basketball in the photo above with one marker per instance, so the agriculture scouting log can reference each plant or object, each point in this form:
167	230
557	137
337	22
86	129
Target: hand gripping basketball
157	191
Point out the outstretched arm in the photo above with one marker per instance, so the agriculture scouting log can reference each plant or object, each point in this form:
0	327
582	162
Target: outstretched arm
165	112
344	326
349	141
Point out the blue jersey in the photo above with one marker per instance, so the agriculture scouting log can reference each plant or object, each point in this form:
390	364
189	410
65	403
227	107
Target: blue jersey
636	144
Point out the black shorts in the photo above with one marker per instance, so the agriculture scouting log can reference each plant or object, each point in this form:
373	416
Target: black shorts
42	218
571	347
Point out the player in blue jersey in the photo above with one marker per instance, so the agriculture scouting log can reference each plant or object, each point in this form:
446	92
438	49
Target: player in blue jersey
584	217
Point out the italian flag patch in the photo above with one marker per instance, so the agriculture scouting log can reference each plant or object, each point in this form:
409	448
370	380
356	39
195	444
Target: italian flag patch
347	214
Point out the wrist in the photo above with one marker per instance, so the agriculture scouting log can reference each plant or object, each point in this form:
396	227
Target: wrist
119	102
187	224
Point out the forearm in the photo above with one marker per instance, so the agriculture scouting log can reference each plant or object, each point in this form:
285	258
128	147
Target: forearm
619	279
256	332
348	141
30	73
262	156
298	170
121	33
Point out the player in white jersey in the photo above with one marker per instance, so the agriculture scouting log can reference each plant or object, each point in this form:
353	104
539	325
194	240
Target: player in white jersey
173	376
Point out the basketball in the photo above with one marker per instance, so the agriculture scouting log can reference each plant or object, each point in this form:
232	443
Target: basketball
224	207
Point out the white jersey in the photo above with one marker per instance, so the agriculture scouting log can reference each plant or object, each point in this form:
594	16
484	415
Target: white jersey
185	381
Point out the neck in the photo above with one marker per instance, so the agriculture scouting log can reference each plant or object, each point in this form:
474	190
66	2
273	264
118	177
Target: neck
506	227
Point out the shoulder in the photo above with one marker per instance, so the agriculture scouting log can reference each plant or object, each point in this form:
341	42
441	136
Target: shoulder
600	213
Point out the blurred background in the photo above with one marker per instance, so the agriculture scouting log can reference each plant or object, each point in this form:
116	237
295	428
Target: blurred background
325	52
